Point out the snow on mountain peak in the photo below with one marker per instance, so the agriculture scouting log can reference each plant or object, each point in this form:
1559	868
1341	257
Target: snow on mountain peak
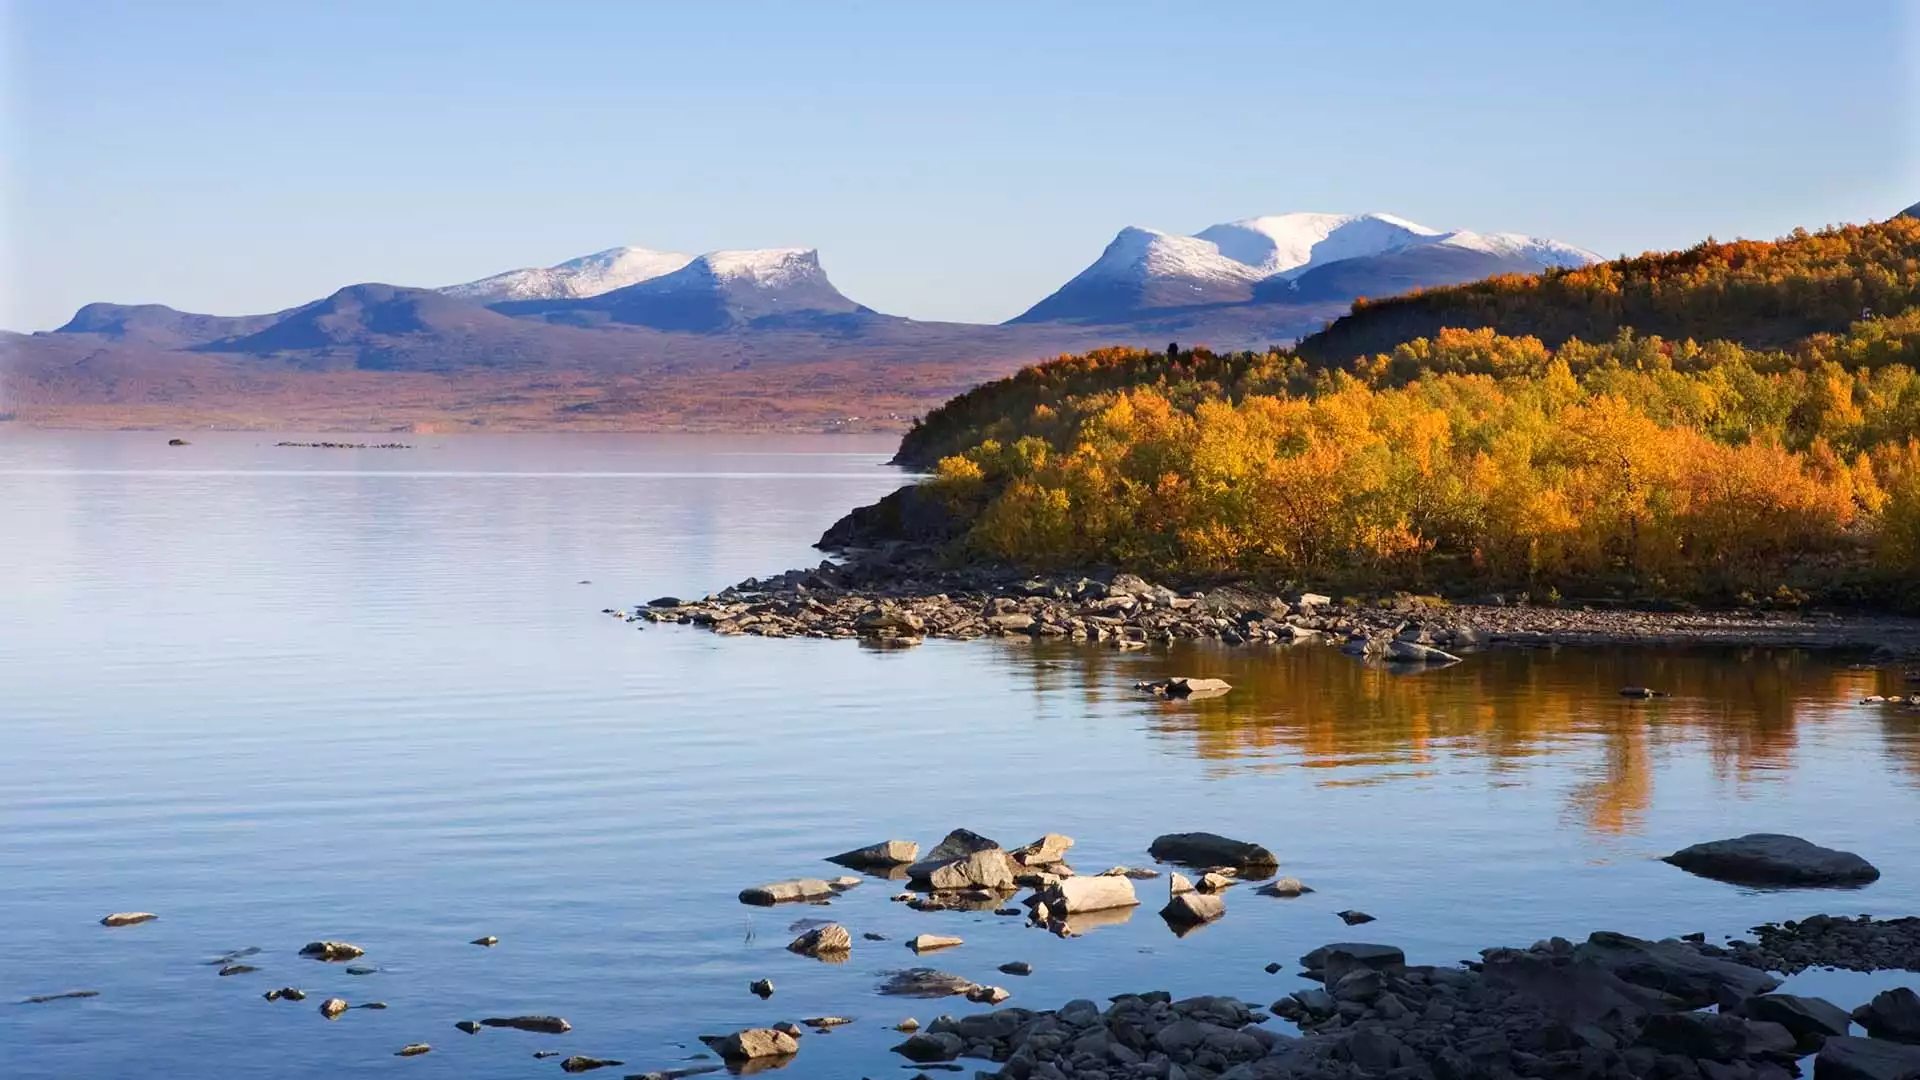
764	267
1142	253
588	275
1288	245
1520	246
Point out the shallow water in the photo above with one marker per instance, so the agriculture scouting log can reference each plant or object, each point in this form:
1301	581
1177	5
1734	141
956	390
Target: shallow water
280	694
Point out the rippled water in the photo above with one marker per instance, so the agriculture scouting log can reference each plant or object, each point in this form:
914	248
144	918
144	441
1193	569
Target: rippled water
281	694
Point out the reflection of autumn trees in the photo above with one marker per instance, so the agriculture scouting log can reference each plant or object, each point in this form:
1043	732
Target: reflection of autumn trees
1318	709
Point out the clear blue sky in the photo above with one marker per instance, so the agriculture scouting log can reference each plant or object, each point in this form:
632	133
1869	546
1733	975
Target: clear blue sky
950	161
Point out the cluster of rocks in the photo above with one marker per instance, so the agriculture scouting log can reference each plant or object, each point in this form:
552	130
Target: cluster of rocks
1830	941
902	601
1125	611
967	871
1611	1008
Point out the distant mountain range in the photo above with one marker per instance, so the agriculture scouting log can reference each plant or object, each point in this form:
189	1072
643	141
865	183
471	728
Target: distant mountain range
640	315
1287	259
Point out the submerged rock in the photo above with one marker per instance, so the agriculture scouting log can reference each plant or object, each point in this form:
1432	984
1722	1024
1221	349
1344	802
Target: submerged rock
580	1063
1184	686
790	891
1354	918
471	1027
924	983
413	1050
930	942
128	918
1773	859
1205	849
545	1025
489	941
42	999
1016	967
1285	887
331	951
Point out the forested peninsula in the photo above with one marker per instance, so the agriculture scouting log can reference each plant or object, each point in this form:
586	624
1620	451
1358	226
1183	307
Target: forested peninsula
1736	424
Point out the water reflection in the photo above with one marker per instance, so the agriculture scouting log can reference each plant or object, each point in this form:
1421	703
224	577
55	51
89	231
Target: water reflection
1744	710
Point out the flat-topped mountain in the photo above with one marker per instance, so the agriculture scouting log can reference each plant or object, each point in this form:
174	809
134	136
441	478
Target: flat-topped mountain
768	289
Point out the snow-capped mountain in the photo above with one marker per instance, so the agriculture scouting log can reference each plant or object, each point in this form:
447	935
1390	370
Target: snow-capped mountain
1144	270
720	290
588	275
1533	249
1288	245
1261	259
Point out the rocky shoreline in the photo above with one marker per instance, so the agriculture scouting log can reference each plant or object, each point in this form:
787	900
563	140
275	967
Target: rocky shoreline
1610	1008
896	602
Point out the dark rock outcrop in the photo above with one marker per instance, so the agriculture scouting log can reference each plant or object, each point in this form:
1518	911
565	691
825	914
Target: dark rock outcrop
1774	859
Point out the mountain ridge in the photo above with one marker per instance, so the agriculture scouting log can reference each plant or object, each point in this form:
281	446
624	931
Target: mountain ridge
1256	260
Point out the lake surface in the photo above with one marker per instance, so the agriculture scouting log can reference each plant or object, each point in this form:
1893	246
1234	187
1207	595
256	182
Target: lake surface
280	694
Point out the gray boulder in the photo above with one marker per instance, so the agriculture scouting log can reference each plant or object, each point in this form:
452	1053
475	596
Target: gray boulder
1075	895
1845	1057
753	1044
881	856
1892	1014
928	1046
831	940
1046	851
990	869
964	860
1715	1036
1773	859
1190	909
1377	957
1812	1020
1674	968
1204	850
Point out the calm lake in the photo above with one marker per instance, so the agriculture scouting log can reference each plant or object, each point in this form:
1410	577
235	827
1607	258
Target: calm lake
280	694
